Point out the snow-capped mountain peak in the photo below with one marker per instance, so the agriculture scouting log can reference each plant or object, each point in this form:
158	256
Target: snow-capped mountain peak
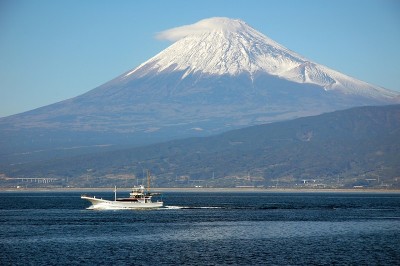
223	46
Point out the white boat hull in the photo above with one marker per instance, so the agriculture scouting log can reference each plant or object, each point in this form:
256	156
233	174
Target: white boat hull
101	204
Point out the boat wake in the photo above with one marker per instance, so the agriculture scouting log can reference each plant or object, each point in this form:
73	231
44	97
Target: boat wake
189	207
108	207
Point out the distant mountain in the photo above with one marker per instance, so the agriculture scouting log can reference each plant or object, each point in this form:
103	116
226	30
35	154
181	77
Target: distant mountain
219	75
355	147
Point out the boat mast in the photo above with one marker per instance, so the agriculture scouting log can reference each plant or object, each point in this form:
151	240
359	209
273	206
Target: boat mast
148	180
115	193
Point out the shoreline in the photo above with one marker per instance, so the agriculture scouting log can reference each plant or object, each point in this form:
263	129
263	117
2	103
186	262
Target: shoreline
209	190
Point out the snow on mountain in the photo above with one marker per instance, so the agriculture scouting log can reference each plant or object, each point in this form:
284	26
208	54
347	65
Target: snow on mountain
226	46
219	74
219	46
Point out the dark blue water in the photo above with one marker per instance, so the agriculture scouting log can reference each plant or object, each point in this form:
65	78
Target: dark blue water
203	229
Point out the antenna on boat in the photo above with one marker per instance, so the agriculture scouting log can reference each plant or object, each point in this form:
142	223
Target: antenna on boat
148	180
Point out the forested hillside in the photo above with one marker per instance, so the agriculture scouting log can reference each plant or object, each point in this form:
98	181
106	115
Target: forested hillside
355	147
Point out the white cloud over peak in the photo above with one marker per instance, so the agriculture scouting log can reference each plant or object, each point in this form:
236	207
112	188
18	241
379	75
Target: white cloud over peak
205	25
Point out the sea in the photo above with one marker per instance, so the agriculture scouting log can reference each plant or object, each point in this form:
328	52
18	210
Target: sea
202	228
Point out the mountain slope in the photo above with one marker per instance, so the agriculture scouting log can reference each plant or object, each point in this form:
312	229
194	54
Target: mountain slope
219	75
222	46
341	149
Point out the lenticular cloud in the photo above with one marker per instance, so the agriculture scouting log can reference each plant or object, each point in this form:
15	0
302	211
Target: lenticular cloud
200	27
178	33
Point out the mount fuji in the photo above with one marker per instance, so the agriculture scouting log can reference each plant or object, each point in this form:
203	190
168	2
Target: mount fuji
219	74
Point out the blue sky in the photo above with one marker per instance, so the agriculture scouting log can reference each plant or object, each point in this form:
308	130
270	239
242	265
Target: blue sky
54	50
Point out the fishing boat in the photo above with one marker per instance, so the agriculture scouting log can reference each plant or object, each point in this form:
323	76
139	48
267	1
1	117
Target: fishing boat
139	198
